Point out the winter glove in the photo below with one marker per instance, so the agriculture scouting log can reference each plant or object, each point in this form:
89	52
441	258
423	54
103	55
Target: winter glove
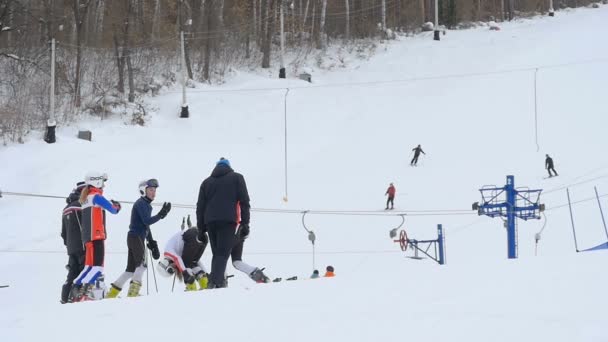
188	276
164	210
243	231
116	205
153	247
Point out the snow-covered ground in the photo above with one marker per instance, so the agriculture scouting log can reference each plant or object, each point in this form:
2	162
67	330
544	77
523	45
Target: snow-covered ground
349	134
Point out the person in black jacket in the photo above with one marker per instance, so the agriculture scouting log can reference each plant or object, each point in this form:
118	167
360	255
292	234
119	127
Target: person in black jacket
139	229
417	150
72	240
549	166
222	198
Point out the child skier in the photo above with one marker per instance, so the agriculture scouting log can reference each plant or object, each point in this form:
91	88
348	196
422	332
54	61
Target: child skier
139	229
94	205
72	239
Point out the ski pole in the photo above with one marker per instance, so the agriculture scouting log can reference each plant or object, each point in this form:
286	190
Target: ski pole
147	278
173	286
153	272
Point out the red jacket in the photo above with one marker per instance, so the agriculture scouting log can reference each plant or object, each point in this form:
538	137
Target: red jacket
391	191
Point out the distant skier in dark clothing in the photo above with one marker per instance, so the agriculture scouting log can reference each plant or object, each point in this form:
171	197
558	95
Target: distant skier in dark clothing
220	197
549	166
72	239
417	150
391	196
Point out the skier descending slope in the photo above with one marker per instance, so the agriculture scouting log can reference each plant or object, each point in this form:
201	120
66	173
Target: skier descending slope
549	166
94	205
417	150
139	229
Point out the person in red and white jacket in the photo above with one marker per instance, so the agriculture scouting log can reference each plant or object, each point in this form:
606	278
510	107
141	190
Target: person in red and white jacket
93	229
182	257
391	196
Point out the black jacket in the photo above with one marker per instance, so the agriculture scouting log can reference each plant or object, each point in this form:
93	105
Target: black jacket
548	163
219	195
193	248
70	225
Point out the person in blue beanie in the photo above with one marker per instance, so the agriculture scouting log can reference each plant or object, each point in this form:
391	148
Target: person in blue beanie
222	208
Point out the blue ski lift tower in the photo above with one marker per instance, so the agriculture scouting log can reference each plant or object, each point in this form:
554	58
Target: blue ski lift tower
510	203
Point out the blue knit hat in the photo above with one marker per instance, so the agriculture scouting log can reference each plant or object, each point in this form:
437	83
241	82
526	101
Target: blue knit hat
223	161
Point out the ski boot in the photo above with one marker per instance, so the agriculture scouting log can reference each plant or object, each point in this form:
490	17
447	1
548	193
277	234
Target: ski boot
74	295
191	287
84	294
134	289
114	291
203	280
258	276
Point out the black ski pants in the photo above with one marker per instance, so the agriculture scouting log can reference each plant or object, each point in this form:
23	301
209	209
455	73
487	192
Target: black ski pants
74	266
221	239
551	168
390	200
415	159
137	252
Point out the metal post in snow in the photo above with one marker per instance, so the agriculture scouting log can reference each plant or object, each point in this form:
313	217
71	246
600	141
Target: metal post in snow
572	219
51	123
599	204
184	113
436	33
551	11
282	69
511	235
440	240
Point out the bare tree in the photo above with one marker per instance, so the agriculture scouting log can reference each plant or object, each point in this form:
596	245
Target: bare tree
268	38
347	8
79	9
321	42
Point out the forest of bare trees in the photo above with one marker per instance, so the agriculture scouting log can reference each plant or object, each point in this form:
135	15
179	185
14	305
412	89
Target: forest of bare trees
110	52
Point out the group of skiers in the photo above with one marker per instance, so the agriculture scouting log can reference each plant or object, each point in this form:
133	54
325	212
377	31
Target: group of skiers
222	220
391	191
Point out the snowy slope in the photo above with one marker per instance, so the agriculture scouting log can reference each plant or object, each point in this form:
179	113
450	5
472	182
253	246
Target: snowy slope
344	145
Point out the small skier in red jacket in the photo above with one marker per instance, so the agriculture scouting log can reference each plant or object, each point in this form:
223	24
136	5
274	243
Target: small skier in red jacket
391	196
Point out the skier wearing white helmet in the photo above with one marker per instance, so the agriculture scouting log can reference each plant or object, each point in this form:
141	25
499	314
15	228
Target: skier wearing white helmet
94	205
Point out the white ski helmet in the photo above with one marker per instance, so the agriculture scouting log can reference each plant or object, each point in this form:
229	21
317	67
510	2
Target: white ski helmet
150	183
166	267
95	179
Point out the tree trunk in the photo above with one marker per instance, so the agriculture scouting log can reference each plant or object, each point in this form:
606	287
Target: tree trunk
321	42
79	10
422	11
383	14
209	41
346	3
120	64
127	50
268	40
156	20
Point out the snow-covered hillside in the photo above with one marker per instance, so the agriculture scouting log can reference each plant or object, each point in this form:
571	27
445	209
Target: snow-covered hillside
468	100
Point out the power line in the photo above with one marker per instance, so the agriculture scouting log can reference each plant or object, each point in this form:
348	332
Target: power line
407	80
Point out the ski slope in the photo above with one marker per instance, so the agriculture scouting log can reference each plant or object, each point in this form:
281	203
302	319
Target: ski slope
468	100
